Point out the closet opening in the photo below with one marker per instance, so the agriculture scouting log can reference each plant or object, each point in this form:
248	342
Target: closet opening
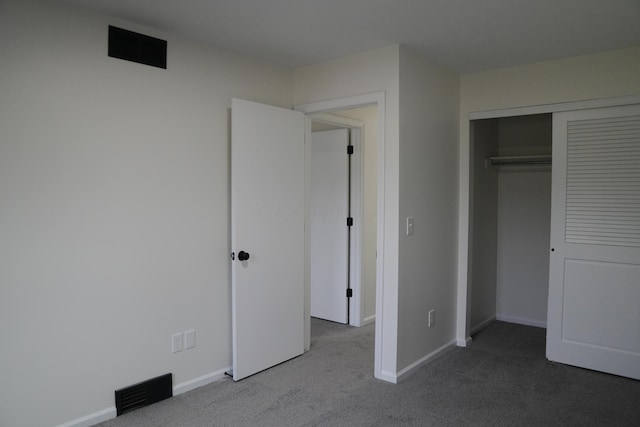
510	216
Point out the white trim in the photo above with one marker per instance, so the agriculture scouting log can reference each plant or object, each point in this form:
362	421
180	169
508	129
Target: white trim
411	369
307	232
463	343
203	380
336	120
482	325
357	230
111	412
463	302
377	99
380	321
92	419
555	108
368	320
521	321
389	377
349	102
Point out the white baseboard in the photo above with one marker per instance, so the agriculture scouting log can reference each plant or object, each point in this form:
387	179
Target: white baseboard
368	320
463	343
415	365
388	377
110	413
522	321
92	419
199	382
482	325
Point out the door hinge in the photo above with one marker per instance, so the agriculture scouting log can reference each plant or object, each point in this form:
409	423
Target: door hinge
349	149
349	222
349	293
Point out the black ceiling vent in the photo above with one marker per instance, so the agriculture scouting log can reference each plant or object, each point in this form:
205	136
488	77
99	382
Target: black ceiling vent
144	393
130	46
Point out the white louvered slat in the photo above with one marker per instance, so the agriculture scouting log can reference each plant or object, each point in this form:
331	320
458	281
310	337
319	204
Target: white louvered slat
603	182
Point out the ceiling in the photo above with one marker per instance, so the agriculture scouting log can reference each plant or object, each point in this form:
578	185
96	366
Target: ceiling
465	35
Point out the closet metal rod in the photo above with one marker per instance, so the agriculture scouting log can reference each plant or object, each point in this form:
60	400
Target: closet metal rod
520	160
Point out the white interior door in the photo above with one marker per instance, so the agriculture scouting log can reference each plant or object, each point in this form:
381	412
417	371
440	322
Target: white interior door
267	221
329	244
594	278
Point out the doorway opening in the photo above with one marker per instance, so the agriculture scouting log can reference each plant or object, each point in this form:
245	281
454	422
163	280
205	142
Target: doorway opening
343	215
331	223
510	171
372	212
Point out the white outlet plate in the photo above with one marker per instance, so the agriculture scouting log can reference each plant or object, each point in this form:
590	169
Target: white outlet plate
432	317
177	342
189	339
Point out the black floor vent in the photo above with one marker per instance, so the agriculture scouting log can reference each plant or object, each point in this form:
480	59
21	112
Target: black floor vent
144	393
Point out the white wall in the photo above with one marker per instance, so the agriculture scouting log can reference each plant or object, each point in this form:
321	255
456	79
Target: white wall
429	96
524	215
420	180
114	185
524	222
602	75
484	234
366	73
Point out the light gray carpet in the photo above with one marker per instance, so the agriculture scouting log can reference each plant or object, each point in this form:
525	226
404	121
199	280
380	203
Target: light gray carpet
501	379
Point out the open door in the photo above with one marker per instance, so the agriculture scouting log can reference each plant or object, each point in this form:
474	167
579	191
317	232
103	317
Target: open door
329	232
594	278
267	236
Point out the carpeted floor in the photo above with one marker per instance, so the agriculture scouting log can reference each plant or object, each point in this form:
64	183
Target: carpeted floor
501	379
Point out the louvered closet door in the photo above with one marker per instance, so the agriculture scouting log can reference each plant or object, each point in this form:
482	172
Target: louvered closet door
594	283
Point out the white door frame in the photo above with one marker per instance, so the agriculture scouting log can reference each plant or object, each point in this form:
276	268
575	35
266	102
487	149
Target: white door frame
463	317
377	99
357	202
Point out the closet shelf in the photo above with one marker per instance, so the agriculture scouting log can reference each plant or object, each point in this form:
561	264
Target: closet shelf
519	160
